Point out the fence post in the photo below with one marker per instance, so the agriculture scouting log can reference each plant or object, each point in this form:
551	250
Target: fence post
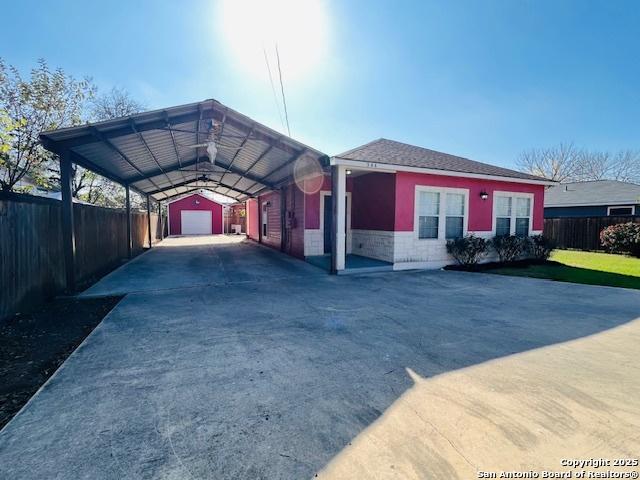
68	227
161	220
127	191
149	220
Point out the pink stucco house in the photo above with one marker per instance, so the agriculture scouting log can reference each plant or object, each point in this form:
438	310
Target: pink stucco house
398	204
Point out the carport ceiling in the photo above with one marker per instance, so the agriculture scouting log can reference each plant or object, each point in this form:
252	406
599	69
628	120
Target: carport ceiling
153	152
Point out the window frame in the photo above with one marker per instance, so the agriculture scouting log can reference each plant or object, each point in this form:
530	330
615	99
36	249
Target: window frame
512	222
632	207
442	212
265	220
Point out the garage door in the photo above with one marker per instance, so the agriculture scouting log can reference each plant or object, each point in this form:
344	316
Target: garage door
195	222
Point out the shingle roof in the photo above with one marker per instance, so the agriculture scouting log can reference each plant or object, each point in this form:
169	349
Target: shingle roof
600	192
402	154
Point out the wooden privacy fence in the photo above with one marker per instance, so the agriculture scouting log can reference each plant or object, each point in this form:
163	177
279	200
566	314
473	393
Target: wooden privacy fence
31	254
582	233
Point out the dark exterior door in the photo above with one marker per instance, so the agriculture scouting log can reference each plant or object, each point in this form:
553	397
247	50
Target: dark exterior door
328	219
328	222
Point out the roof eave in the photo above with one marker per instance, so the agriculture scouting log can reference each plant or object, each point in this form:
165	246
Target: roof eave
192	194
592	204
392	168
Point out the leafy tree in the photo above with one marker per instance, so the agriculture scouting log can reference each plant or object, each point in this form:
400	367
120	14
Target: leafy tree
45	101
8	129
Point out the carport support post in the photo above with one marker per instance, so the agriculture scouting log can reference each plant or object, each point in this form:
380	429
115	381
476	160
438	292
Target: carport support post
68	228
127	196
160	220
338	227
283	219
149	220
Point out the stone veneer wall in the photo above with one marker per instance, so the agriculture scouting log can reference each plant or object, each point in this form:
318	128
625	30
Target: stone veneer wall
378	244
410	252
403	249
313	242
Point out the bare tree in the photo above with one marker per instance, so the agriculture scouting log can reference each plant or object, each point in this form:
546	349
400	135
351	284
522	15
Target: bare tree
626	166
592	165
114	104
83	181
566	163
558	163
87	185
93	188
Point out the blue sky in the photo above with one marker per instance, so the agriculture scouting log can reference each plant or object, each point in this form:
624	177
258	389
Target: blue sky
482	79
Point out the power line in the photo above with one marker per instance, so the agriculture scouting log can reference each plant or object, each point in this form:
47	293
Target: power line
284	101
273	88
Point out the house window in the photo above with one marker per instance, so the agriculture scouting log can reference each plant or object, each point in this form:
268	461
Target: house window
265	219
512	214
454	223
523	216
503	216
428	214
441	213
620	211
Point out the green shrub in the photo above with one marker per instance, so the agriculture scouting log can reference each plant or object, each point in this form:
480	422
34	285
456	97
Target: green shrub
622	238
540	247
468	250
509	247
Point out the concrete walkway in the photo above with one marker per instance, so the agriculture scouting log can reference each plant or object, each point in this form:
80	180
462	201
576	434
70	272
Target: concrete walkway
243	363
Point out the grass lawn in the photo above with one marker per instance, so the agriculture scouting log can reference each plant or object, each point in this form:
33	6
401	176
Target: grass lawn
583	267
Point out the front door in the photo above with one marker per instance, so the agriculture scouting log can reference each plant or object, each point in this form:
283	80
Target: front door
328	220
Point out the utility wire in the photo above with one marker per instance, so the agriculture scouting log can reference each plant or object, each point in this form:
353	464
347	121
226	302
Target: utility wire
273	88
284	101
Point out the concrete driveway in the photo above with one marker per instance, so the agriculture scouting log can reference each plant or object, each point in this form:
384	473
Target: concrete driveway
232	361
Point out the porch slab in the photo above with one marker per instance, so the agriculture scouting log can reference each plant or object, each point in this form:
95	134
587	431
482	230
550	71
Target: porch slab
353	264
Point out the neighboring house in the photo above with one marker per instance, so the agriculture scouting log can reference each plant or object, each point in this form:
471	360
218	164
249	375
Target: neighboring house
29	186
194	214
402	204
592	199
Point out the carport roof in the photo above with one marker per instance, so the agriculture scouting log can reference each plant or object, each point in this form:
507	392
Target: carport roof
153	152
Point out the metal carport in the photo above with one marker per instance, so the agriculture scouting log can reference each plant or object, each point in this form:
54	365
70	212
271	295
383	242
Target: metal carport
156	154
